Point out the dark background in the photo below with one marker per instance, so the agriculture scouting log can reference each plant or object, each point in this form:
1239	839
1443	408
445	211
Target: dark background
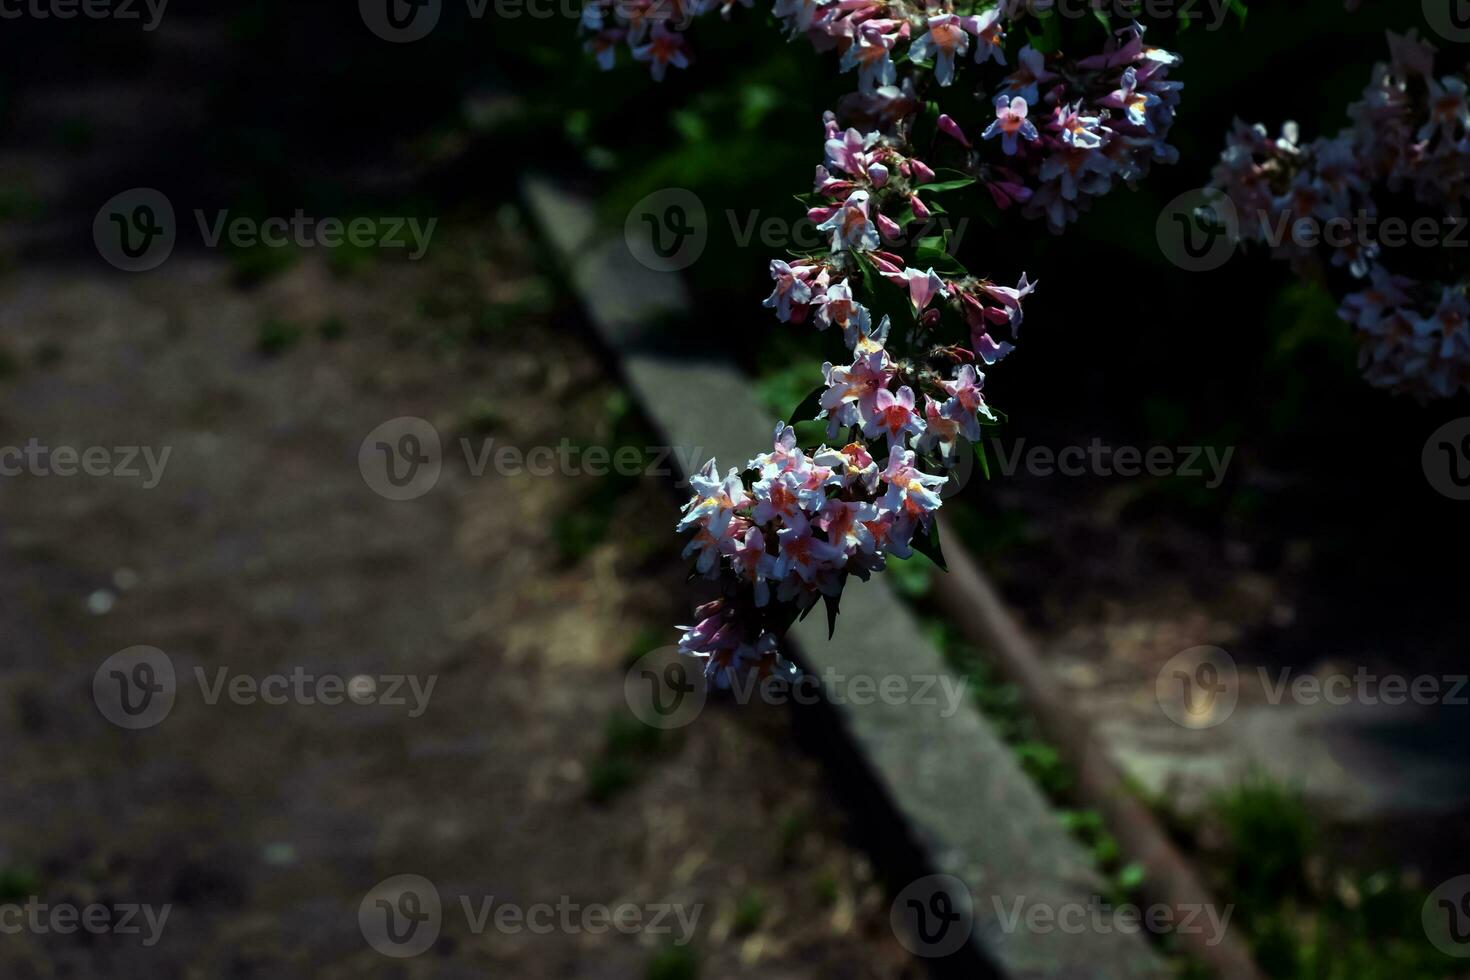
268	107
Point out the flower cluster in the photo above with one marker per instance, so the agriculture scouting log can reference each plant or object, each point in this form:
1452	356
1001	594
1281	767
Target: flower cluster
1046	133
796	522
1067	128
790	528
1406	154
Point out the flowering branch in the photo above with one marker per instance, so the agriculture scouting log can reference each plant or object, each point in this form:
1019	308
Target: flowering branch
906	400
1407	153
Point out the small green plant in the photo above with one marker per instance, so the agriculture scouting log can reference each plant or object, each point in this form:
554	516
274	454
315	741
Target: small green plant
331	329
674	963
750	911
1306	917
18	883
628	743
276	337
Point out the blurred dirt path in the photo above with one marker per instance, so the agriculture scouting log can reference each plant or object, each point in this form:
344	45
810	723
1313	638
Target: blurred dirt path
262	550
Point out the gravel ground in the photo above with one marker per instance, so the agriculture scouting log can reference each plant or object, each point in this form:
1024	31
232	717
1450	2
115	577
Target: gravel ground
261	550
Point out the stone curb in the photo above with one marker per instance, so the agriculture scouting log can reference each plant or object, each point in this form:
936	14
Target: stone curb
953	783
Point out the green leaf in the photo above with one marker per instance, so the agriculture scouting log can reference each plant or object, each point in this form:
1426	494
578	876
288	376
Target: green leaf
940	186
1049	41
809	407
833	601
928	546
810	434
940	259
1131	877
980	455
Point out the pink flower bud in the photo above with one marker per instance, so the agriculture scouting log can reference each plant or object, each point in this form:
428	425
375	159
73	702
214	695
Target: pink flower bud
951	128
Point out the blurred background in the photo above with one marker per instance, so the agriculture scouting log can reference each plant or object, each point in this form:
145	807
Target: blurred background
251	376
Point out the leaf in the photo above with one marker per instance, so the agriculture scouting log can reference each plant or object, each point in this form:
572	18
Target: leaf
980	455
1130	878
810	433
1049	41
940	187
940	260
809	407
928	546
833	601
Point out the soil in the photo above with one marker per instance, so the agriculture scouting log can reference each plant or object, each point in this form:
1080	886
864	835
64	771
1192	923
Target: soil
264	550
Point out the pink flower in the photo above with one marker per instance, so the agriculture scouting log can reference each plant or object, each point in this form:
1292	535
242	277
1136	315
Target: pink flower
790	288
990	37
664	48
966	403
850	226
713	496
946	39
1025	82
752	564
1011	122
837	306
923	287
802	553
843	522
894	416
940	431
910	490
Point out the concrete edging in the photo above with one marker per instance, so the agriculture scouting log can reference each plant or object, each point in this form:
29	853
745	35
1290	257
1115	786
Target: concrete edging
953	783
